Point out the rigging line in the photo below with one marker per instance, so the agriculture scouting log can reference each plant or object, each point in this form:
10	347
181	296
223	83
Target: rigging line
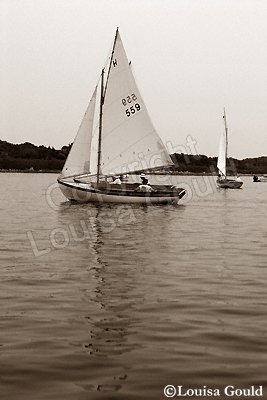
100	127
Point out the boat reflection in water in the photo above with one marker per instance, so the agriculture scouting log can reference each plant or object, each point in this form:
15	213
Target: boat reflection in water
113	245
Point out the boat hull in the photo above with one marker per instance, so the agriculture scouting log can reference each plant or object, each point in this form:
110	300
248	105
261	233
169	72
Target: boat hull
85	193
229	184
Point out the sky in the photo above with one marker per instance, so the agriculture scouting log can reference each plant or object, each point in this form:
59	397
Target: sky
191	58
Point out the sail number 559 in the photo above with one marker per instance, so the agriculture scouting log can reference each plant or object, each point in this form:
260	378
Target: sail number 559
135	107
132	110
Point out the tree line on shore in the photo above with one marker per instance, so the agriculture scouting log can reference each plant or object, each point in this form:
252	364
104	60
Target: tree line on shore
28	157
203	164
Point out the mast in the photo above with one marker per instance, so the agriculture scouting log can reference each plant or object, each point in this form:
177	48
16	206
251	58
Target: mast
102	97
100	127
226	140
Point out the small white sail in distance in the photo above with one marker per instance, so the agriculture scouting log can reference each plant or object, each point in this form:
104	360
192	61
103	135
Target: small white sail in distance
222	157
221	163
129	141
78	160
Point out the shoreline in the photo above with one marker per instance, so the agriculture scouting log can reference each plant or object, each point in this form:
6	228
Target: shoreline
26	171
181	173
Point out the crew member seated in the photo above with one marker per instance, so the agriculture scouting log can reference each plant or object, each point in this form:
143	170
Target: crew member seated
145	185
116	180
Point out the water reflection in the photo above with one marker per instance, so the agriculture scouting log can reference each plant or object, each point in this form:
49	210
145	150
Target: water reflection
112	315
125	301
120	243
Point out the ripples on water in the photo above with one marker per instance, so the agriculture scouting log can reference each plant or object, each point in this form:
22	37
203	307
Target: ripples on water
120	301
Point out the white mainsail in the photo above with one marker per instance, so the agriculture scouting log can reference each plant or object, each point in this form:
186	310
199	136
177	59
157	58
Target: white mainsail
221	163
222	157
129	141
78	160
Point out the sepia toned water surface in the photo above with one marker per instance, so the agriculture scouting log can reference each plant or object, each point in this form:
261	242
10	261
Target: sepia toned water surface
116	302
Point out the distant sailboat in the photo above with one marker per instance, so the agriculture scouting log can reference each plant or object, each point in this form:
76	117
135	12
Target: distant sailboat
262	178
223	181
116	137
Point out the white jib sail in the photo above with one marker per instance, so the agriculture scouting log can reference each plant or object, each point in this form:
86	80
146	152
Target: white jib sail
78	160
129	140
221	163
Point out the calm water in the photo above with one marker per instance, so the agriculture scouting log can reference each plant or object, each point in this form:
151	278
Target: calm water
115	302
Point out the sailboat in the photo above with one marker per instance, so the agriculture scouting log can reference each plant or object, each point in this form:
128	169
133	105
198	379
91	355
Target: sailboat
116	138
223	181
262	178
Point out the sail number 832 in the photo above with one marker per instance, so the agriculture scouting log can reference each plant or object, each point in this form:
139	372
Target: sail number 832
134	107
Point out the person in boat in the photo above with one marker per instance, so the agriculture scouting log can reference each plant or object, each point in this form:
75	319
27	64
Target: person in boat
145	185
144	180
255	178
116	180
